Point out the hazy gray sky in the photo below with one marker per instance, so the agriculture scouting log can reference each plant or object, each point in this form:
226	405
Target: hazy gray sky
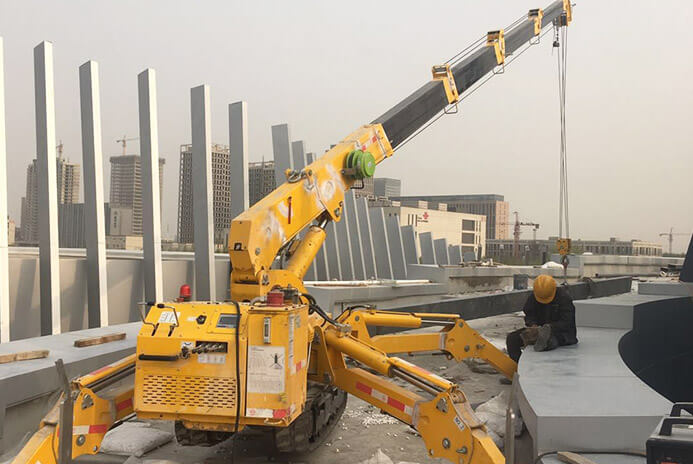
327	67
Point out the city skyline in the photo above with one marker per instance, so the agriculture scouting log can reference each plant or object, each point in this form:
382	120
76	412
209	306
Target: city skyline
261	183
481	150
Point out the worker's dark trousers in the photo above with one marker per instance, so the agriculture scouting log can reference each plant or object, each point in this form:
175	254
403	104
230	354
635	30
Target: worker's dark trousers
514	344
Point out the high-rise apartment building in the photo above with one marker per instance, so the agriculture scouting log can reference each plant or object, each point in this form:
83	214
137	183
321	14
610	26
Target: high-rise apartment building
364	188
126	187
494	207
68	178
11	230
221	182
387	187
261	180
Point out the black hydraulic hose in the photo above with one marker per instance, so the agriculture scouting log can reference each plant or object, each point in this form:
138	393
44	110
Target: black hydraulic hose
238	367
313	306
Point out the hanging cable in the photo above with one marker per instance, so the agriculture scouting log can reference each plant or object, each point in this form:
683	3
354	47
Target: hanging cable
563	243
561	42
466	94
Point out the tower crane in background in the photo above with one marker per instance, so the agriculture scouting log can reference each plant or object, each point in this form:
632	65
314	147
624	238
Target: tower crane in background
517	225
671	235
124	142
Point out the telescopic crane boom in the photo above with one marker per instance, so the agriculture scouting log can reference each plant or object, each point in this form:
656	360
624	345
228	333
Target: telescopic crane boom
316	193
272	357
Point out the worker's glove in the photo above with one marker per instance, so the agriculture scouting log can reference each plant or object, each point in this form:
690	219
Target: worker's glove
529	335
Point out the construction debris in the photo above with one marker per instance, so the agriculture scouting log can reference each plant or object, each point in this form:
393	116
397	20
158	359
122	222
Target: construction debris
91	341
23	356
370	416
381	458
480	367
134	439
573	458
492	414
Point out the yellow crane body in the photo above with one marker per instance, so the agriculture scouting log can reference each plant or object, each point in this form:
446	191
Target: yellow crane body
272	357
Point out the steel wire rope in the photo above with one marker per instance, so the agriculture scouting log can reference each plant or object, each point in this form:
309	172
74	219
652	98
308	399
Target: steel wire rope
466	95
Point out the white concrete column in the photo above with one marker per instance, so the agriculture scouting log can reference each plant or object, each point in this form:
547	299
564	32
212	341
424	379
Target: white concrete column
151	209
203	198
94	220
238	157
281	148
4	263
47	189
298	153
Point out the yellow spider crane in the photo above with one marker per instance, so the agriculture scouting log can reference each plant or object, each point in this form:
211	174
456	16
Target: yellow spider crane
272	357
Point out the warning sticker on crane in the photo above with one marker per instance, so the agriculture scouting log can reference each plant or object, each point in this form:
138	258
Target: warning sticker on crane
266	373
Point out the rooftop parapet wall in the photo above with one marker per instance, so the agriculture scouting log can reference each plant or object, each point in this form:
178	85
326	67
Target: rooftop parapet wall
611	265
125	286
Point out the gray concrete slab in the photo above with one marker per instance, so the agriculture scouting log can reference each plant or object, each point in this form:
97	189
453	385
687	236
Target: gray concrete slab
381	247
281	148
396	247
355	237
428	254
362	210
672	288
411	254
454	254
440	248
334	268
238	157
383	294
298	154
320	264
311	273
611	265
344	246
26	385
585	397
203	215
615	312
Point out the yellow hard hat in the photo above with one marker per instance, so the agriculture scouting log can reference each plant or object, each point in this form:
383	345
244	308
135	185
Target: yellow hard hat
544	289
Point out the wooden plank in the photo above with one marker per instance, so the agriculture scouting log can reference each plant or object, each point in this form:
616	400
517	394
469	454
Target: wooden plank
573	458
81	343
23	356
